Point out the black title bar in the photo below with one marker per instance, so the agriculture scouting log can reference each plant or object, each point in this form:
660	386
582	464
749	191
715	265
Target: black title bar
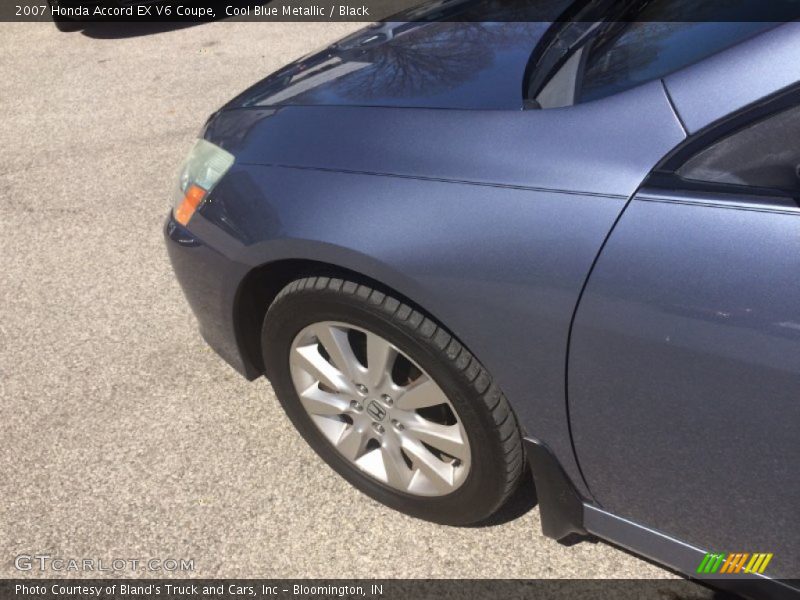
367	589
395	10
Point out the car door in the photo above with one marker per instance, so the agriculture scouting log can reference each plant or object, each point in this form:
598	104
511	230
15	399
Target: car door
684	361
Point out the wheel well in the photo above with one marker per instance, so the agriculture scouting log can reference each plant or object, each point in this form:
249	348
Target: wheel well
260	287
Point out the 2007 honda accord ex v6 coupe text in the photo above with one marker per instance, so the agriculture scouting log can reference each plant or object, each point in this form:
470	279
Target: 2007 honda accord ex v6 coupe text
459	249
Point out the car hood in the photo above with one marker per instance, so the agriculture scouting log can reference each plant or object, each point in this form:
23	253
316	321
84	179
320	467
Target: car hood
464	65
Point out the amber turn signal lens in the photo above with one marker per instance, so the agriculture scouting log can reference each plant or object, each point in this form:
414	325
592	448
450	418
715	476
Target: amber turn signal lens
194	196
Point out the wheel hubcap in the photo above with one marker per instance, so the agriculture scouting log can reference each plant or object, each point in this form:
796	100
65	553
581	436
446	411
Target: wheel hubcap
379	409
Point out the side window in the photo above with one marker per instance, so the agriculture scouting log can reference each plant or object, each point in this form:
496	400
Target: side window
765	154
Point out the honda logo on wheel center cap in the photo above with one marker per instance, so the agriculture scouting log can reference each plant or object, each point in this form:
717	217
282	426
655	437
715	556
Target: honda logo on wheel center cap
376	411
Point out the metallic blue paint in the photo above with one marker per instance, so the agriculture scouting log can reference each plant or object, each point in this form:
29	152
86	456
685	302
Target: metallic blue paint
684	373
492	221
433	65
439	223
731	80
577	149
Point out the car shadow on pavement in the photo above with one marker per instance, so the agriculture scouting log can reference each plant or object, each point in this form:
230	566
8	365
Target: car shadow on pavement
109	31
521	501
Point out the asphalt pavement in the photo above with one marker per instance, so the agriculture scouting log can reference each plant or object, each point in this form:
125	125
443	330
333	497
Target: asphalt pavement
122	435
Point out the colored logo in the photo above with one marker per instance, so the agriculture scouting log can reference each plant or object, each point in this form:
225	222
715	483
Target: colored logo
731	564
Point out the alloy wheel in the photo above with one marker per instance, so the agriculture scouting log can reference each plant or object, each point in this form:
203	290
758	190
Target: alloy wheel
379	409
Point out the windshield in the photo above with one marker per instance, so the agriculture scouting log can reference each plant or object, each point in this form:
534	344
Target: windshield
643	41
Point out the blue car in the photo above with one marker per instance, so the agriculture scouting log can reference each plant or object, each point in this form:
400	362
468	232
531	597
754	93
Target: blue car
459	249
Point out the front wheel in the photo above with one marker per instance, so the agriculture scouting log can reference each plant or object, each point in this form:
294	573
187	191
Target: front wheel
391	400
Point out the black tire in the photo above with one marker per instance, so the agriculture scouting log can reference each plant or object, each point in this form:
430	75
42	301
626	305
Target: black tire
497	457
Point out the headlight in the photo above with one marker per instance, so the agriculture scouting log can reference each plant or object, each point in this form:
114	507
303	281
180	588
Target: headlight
204	167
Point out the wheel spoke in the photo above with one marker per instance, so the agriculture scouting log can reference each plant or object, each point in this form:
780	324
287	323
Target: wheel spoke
438	473
331	427
445	438
337	345
352	443
380	360
395	468
312	362
320	402
421	394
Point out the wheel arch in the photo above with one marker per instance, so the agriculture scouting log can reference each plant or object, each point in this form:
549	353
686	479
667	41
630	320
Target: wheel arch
263	283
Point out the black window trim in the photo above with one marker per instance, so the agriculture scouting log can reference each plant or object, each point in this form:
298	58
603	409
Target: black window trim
608	15
665	174
587	12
